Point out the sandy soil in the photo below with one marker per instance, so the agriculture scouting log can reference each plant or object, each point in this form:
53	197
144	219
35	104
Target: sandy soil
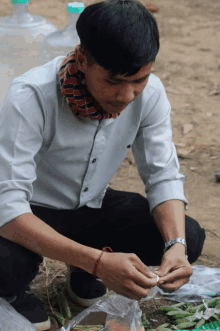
188	65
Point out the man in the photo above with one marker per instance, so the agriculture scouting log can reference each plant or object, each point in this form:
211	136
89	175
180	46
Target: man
66	127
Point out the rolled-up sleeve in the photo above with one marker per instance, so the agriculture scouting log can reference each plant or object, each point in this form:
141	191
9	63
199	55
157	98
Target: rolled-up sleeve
155	154
21	127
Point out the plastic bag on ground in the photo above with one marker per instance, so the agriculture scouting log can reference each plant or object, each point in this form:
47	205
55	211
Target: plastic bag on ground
203	284
122	313
11	320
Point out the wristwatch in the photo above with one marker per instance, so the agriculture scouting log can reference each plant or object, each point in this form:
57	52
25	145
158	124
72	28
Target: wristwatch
170	243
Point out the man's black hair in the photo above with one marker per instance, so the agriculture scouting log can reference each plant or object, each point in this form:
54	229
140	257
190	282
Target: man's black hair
120	35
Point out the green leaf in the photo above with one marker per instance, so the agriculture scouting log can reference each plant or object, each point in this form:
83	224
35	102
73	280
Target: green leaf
216	317
63	305
186	325
173	312
201	322
194	309
181	304
89	327
179	313
144	320
212	302
169	308
60	318
186	320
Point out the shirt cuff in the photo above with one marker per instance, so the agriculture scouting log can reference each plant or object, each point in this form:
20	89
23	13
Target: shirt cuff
13	204
164	191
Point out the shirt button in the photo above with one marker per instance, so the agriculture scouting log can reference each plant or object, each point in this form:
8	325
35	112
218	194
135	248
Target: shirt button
129	146
94	160
86	189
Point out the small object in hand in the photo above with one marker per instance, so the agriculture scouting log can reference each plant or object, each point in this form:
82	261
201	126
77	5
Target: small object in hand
217	176
158	278
152	8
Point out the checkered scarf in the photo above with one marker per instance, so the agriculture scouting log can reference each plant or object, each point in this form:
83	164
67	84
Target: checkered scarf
73	88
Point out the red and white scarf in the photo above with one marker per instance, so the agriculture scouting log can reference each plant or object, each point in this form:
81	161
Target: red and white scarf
73	88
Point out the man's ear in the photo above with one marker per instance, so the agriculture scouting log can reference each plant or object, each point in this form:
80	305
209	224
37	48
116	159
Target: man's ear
81	60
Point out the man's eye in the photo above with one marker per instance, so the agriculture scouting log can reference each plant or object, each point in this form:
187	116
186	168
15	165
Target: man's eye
111	83
116	83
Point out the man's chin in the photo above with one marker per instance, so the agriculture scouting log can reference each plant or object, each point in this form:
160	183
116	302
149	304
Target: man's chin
113	110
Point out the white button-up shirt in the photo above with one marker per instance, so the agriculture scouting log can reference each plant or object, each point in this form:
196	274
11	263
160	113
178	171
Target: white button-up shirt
51	158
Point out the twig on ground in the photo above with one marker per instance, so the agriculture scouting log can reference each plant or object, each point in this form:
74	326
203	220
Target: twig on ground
48	297
54	277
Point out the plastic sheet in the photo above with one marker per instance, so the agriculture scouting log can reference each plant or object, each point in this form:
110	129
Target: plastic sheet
11	320
203	284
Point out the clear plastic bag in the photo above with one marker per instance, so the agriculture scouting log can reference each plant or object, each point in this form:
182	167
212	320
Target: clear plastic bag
122	313
10	320
203	284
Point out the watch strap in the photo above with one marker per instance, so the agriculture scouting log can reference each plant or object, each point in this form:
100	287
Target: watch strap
171	242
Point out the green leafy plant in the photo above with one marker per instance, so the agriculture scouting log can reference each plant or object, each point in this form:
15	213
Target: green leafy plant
185	316
144	320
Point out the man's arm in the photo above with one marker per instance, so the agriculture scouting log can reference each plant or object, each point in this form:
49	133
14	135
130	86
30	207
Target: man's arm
31	232
170	219
157	162
175	270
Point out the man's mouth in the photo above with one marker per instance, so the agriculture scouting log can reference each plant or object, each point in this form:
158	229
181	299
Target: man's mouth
119	105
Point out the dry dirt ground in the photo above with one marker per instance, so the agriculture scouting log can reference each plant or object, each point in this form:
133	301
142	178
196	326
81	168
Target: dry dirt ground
189	66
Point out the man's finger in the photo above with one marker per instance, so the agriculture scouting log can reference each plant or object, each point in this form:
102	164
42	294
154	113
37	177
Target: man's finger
145	270
163	270
145	274
171	287
175	275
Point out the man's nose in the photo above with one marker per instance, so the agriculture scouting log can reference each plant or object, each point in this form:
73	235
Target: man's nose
126	94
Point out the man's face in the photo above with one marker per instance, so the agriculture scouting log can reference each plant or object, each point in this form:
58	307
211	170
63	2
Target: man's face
114	94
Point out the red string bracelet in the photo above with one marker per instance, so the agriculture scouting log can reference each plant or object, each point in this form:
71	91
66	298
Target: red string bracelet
105	249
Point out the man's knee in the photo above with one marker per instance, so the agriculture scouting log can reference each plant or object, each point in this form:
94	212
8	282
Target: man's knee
20	266
195	237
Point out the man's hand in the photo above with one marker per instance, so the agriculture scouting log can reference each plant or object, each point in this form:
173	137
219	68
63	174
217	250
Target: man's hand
126	274
175	270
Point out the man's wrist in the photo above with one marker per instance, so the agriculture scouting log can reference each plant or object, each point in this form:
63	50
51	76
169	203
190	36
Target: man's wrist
85	257
171	242
178	247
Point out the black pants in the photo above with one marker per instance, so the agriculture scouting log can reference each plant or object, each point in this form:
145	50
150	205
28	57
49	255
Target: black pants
123	223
